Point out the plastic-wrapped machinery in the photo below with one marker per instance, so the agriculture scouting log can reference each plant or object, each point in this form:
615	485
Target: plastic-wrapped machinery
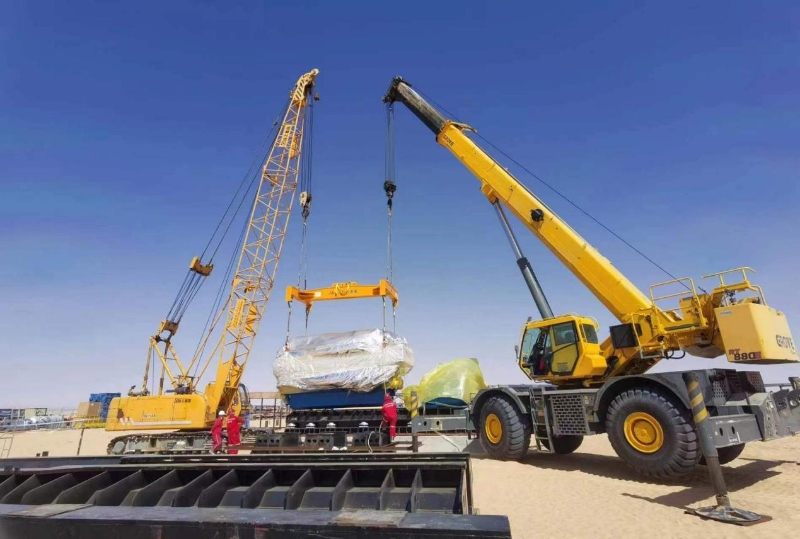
358	360
451	384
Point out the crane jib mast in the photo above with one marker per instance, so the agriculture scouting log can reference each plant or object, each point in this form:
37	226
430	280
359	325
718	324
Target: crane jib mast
258	259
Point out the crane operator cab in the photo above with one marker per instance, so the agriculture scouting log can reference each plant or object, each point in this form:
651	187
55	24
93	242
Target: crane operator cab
559	347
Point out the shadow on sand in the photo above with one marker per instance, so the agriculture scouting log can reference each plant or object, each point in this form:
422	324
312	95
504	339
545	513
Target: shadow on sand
697	483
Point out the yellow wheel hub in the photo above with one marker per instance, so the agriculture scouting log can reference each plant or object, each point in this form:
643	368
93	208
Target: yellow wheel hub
493	428
644	432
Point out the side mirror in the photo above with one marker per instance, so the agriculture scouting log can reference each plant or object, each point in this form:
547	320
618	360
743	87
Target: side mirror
516	350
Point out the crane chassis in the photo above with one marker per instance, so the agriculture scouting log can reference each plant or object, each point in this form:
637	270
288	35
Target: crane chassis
740	409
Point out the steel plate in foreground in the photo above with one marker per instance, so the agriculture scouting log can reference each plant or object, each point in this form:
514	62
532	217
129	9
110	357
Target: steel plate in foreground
248	496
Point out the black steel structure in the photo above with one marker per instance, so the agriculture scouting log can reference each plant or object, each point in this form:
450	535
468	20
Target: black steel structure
248	496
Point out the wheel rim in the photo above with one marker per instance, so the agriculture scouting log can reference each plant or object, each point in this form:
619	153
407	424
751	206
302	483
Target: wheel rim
493	428
644	432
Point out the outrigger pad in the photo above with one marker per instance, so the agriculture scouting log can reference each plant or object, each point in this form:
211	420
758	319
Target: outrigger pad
730	515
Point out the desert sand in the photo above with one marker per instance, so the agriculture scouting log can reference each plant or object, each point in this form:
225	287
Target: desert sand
590	493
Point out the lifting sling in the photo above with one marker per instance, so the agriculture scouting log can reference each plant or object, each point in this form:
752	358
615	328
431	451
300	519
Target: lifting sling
350	290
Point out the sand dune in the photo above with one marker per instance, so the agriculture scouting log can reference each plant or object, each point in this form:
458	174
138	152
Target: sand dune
590	493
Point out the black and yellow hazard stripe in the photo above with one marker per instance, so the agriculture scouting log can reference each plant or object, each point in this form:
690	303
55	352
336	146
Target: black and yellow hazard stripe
697	401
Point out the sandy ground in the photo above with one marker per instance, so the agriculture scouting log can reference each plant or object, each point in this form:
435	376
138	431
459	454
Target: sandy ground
590	493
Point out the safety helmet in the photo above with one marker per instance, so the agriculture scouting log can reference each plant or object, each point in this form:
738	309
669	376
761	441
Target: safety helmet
221	413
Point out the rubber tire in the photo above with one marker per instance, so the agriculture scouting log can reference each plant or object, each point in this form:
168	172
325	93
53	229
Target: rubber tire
563	445
726	454
516	436
680	452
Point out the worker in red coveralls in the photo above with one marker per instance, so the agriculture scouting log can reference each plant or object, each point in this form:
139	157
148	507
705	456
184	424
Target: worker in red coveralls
390	415
234	424
216	432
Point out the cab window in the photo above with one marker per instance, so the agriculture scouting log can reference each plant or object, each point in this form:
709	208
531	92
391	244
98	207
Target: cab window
589	334
528	341
566	350
564	334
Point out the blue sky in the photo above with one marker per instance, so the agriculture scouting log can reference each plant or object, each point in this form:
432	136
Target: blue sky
126	127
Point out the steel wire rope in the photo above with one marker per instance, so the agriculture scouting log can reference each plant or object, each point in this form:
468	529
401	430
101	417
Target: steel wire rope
304	184
263	155
306	177
253	176
563	196
390	187
203	341
190	287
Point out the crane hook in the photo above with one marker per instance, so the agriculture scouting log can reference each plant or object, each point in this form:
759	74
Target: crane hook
305	202
389	187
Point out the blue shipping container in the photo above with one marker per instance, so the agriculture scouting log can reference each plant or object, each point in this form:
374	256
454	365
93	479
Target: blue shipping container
103	397
105	400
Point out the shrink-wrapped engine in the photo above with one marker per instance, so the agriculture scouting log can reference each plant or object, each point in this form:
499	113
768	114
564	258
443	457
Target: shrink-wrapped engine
358	360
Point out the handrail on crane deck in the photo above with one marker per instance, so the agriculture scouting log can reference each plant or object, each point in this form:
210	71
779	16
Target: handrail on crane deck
337	291
721	274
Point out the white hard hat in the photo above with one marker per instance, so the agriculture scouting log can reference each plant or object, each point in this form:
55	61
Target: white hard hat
221	413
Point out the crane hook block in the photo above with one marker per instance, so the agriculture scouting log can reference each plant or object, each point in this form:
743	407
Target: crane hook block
390	187
201	269
337	291
305	203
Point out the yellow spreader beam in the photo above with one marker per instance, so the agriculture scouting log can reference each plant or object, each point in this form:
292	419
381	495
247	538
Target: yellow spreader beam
342	291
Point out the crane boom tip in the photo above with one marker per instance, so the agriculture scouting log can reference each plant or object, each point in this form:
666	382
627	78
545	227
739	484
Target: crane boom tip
391	94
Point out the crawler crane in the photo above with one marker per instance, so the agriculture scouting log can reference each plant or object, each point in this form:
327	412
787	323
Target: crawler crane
593	387
184	407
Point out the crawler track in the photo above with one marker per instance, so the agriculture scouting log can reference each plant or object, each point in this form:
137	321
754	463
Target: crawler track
173	443
199	442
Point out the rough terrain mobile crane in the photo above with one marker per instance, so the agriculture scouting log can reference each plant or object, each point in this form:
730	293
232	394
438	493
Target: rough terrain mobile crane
592	387
184	407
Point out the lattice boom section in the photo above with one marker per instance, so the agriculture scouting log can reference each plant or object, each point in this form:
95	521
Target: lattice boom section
568	414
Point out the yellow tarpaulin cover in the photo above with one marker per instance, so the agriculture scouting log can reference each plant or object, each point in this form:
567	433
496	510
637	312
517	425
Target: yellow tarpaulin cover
452	383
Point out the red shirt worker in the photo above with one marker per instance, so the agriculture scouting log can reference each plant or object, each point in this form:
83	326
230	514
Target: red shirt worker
234	424
216	432
390	415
